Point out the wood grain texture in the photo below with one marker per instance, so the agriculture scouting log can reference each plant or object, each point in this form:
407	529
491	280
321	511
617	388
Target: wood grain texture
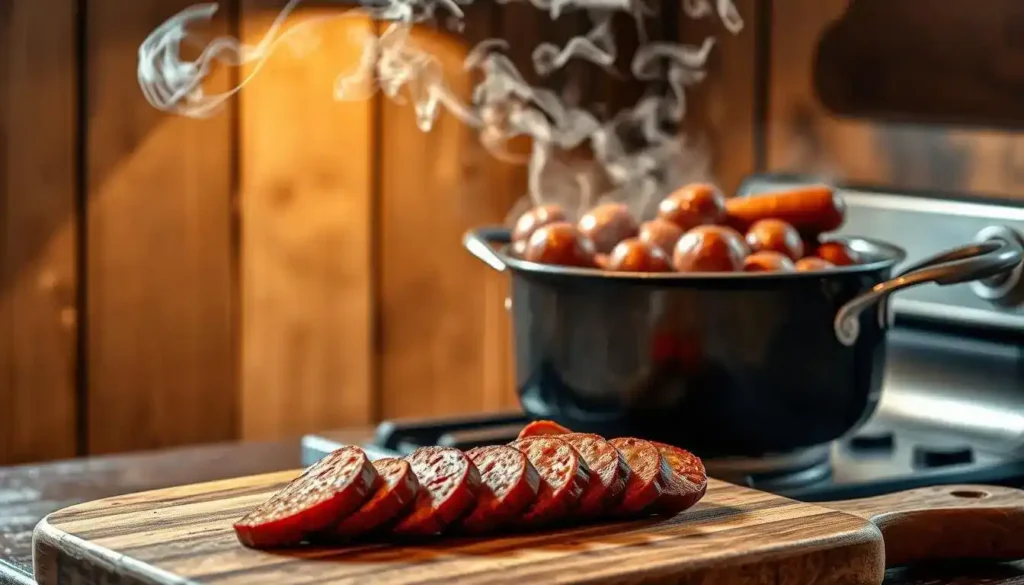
183	535
886	56
721	110
38	232
946	522
161	359
307	272
444	339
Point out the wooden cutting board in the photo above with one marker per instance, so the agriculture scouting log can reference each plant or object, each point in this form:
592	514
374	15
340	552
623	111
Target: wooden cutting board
735	535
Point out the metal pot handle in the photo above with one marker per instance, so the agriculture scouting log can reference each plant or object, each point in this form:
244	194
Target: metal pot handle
959	265
480	243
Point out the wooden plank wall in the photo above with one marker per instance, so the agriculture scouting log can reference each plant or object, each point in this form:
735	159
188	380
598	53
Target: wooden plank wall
38	230
159	262
307	203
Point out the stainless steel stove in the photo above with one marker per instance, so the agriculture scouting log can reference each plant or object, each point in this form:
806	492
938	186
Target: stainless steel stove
952	407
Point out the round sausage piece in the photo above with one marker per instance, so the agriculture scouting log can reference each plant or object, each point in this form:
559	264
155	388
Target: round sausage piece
651	476
837	253
775	235
768	261
710	248
606	225
609	473
448	485
633	255
509	483
398	489
563	479
326	492
661	233
560	244
693	205
689	480
535	218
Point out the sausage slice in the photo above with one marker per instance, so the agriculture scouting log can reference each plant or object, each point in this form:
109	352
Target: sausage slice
541	428
609	472
448	485
397	490
509	484
650	479
689	480
328	491
564	477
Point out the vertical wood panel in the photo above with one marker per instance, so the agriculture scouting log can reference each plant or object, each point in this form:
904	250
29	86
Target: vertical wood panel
161	363
722	108
444	342
307	273
38	281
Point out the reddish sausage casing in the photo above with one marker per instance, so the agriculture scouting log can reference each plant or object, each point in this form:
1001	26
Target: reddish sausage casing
329	490
775	235
768	261
650	479
689	480
609	473
606	225
564	477
397	489
448	485
634	255
540	428
509	484
811	210
560	243
710	248
693	205
837	253
536	218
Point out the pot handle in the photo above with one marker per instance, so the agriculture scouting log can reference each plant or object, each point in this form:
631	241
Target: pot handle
959	265
480	243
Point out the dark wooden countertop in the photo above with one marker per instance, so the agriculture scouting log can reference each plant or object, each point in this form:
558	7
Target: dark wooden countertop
30	492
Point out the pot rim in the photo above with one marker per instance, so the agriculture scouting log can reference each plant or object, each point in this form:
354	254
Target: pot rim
884	255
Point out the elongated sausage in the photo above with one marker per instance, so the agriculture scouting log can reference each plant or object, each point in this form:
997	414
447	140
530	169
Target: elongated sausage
609	473
509	483
448	486
328	491
689	480
539	428
396	492
811	210
651	476
563	478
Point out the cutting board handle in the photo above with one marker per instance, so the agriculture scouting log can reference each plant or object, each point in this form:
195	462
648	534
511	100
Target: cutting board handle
946	522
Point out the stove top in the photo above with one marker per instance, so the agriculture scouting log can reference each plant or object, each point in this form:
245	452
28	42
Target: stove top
878	459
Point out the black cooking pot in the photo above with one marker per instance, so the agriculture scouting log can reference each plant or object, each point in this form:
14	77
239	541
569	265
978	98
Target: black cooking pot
730	364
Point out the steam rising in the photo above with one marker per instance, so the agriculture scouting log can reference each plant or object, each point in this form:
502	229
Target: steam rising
637	154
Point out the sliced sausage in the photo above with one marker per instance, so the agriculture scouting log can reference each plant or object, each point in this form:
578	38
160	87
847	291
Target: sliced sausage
396	492
509	483
448	485
837	254
651	476
609	473
689	480
539	428
328	491
811	210
563	479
